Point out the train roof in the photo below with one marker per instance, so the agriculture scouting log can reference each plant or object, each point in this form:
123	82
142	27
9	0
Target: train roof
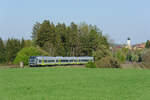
47	57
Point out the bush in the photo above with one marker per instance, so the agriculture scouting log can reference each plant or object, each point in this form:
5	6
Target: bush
122	55
90	65
25	53
146	58
108	62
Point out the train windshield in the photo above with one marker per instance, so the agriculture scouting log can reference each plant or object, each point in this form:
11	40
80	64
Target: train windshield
32	59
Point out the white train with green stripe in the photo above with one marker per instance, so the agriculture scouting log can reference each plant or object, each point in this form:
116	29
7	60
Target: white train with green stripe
35	61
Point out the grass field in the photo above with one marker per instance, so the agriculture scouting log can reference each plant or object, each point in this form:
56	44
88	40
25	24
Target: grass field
74	84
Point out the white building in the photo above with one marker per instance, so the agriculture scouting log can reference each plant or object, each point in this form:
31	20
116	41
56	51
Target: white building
128	43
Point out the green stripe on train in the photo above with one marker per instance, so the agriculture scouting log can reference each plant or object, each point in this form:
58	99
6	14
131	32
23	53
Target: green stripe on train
60	63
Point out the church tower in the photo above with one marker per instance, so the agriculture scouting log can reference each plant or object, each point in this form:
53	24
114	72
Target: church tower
129	43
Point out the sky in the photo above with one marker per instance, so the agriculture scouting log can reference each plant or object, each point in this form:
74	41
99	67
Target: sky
117	18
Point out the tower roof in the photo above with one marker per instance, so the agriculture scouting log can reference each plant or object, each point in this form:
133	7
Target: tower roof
128	38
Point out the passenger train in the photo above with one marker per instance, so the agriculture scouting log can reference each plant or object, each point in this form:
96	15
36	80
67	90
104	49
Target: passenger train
35	61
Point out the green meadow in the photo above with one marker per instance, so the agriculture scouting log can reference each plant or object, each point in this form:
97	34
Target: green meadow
74	84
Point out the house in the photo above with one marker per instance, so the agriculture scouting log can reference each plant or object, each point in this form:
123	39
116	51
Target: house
139	46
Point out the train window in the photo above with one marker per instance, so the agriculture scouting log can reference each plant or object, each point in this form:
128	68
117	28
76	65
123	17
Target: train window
70	60
64	60
75	60
51	61
57	60
32	57
84	60
40	61
31	60
45	61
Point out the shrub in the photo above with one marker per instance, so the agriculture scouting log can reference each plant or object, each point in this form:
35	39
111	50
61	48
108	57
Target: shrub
25	53
146	58
122	55
90	65
108	62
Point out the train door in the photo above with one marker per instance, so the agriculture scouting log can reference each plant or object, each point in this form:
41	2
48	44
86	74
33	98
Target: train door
42	61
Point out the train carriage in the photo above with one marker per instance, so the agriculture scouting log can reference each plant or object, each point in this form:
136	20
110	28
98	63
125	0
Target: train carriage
45	60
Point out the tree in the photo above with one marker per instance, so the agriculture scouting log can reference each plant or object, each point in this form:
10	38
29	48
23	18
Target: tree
100	46
147	44
49	47
146	58
28	43
25	53
129	56
22	43
43	33
61	40
101	52
12	48
35	29
73	39
123	54
134	56
2	51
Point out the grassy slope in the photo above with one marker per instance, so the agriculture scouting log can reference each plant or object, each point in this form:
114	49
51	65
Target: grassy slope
74	84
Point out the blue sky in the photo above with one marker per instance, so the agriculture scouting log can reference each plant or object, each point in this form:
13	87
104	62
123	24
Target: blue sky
117	18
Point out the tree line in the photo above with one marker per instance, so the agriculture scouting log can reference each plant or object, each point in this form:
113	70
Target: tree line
9	50
58	40
49	39
72	40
